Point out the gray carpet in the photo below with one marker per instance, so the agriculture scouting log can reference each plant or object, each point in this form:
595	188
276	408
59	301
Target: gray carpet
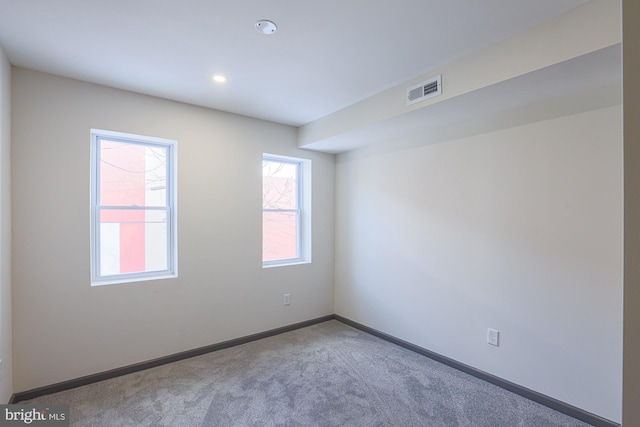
324	375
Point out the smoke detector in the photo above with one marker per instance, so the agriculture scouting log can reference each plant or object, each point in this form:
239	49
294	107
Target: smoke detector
266	27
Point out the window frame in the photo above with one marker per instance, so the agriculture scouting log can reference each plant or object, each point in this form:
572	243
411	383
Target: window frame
170	207
303	211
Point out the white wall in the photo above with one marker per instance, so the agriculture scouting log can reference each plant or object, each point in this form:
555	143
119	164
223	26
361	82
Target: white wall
6	377
518	230
63	327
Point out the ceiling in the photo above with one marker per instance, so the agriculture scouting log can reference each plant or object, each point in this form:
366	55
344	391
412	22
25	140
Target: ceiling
325	56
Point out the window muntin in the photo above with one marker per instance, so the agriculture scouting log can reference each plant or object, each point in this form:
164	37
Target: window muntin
284	193
133	196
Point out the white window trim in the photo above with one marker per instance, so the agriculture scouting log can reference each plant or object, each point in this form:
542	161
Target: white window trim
304	207
172	210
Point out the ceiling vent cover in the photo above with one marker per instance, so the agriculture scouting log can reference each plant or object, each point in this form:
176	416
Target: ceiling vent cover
425	90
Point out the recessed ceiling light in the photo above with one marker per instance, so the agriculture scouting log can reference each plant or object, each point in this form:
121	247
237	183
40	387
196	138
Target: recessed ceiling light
266	27
219	78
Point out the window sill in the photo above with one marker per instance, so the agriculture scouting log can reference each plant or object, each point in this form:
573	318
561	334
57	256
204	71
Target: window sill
115	281
286	263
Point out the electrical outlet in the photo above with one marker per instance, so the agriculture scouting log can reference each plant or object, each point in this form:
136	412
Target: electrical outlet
493	337
286	299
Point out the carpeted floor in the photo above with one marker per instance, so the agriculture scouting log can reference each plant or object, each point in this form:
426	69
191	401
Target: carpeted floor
328	374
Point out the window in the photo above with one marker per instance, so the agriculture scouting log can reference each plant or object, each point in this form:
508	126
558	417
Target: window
286	207
133	208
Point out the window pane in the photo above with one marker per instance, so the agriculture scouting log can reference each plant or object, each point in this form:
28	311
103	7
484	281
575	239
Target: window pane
279	185
279	235
133	241
132	174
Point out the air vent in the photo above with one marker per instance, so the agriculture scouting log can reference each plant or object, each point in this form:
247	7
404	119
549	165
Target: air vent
424	90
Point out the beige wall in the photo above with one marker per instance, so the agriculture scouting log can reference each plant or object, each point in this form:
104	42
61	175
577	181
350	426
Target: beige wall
63	327
518	230
6	374
631	95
